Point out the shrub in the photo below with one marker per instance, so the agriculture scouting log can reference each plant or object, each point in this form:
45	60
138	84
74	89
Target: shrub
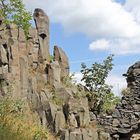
94	79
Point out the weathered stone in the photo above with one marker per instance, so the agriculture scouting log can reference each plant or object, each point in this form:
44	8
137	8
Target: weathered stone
136	107
116	114
72	121
115	122
21	35
54	74
81	111
89	134
42	25
124	130
62	94
23	77
116	137
135	137
3	54
104	136
125	118
59	121
14	31
51	110
64	134
125	125
76	135
61	57
92	116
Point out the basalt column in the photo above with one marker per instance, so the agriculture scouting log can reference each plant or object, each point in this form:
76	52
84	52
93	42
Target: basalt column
42	25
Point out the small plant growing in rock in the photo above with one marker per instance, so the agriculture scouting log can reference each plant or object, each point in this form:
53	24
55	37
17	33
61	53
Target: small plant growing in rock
125	91
51	58
109	102
94	79
68	81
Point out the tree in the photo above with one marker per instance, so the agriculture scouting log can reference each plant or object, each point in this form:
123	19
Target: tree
94	79
13	11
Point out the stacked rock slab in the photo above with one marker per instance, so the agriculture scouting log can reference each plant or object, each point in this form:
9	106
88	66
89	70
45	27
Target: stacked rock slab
125	120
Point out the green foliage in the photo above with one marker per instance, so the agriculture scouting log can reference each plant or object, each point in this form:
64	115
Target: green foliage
94	79
68	81
13	11
125	91
110	100
51	58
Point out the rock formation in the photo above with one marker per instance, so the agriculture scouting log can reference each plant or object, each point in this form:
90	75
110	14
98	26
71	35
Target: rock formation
31	75
42	25
28	72
61	57
125	120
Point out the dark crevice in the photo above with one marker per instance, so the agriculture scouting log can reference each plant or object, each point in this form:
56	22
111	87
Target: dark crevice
78	120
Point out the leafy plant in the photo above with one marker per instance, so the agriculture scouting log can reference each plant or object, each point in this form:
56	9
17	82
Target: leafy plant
94	79
13	11
68	81
51	58
110	102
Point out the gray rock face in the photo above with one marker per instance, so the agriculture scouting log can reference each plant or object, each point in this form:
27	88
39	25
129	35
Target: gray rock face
42	25
54	74
61	57
125	119
78	109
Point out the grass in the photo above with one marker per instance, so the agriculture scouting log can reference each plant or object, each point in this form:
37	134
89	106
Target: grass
15	124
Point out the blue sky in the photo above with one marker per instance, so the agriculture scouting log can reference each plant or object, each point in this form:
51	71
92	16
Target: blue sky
90	30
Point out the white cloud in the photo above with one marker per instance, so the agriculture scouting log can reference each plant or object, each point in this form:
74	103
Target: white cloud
117	81
96	18
117	46
133	6
124	46
101	44
115	27
77	78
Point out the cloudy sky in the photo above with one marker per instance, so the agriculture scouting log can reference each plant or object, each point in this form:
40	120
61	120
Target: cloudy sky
90	30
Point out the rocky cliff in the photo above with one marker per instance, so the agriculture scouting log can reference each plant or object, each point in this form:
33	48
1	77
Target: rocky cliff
41	80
